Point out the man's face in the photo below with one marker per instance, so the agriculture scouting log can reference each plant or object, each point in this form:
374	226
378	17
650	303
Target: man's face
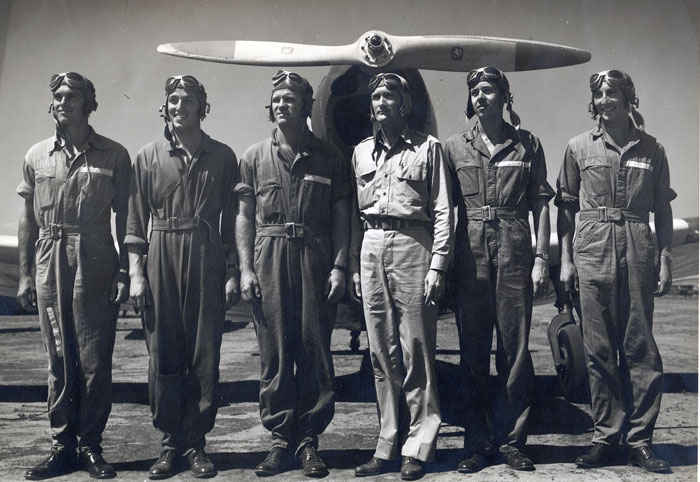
183	109
610	103
68	105
287	106
386	105
487	100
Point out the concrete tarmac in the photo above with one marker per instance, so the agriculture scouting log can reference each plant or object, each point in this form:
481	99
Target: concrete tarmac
559	430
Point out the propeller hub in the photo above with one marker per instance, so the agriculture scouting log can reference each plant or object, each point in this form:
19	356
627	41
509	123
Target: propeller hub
376	49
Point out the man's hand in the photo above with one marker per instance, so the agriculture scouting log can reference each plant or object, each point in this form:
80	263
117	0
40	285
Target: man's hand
540	277
665	276
26	293
434	286
121	293
568	276
355	287
250	288
138	289
336	285
233	292
120	288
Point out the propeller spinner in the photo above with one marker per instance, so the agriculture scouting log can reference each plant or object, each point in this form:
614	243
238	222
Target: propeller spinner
379	50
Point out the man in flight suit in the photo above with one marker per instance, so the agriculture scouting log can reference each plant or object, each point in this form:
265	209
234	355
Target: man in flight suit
185	184
292	232
398	268
500	176
70	271
613	175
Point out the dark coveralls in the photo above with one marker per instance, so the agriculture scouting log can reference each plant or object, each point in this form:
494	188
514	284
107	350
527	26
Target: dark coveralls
293	258
493	262
615	256
76	267
185	271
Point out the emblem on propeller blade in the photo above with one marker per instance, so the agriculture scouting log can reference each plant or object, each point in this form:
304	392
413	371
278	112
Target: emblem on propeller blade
377	50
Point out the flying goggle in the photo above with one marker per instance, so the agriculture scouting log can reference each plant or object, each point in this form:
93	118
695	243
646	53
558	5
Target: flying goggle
72	77
187	82
488	74
597	79
387	78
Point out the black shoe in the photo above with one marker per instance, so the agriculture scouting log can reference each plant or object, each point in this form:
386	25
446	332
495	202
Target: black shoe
516	459
164	467
473	463
374	467
92	461
411	469
59	462
201	465
645	458
277	461
599	455
312	464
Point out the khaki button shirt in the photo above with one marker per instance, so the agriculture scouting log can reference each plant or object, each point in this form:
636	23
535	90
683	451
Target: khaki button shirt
408	181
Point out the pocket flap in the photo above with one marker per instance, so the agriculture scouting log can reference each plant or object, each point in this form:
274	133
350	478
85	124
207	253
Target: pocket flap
596	161
414	172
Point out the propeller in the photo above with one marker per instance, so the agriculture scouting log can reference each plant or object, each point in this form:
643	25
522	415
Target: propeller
379	50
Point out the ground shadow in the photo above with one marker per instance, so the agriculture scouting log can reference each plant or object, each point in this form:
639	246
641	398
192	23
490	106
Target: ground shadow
229	326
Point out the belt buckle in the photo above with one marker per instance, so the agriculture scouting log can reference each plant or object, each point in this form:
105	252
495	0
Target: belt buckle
290	229
385	224
603	214
488	213
56	231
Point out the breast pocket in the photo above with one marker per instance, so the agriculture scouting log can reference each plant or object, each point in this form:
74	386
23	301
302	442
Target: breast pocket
45	190
365	187
469	180
96	191
411	187
595	179
269	202
640	179
316	198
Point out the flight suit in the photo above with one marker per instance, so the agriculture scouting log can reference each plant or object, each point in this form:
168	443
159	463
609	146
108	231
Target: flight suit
403	196
293	256
76	268
493	264
190	251
615	255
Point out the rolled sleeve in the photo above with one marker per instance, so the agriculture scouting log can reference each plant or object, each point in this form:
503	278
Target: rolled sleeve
245	186
441	197
568	182
663	193
139	213
26	185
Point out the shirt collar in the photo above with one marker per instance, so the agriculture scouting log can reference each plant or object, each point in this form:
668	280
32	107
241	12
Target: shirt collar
204	146
405	136
306	147
599	130
93	140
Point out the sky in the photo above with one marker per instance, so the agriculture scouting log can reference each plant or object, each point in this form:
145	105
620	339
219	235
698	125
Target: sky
113	43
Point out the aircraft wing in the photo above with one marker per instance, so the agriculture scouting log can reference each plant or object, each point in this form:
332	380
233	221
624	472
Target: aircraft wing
9	272
377	49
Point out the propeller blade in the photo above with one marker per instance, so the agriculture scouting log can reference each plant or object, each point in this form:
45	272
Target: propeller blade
379	50
461	53
248	52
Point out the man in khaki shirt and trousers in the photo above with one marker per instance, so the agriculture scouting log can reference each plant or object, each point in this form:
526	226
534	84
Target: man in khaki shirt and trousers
401	247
